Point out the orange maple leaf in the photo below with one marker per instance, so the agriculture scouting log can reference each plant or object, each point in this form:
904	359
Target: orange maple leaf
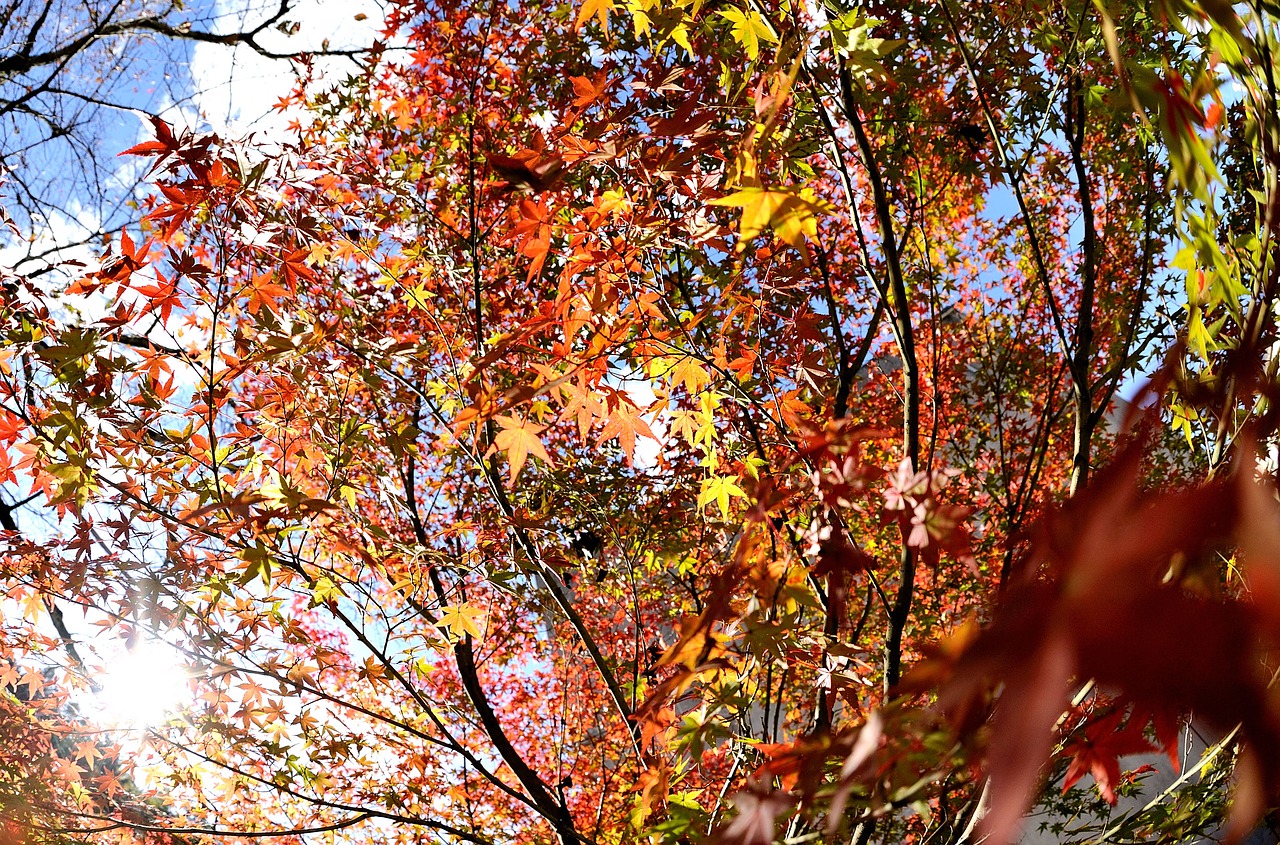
625	422
519	438
264	291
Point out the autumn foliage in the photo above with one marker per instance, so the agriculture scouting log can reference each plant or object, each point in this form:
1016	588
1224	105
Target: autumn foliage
666	421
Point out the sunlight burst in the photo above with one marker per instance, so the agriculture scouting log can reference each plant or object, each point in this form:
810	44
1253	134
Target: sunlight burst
140	686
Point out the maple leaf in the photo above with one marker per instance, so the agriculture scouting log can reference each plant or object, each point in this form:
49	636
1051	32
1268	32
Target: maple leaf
11	425
581	405
164	143
749	29
625	423
295	268
32	679
163	296
108	783
791	212
834	554
934	524
527	170
119	267
460	620
1023	735
264	292
756	821
519	439
182	203
689	372
861	751
1110	553
1099	749
324	591
905	486
686	425
595	9
533	234
587	91
88	751
147	148
719	489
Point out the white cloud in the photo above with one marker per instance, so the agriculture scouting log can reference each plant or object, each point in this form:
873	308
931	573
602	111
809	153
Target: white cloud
50	241
236	89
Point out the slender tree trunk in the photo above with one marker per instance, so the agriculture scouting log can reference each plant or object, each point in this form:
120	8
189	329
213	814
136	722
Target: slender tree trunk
1082	342
904	333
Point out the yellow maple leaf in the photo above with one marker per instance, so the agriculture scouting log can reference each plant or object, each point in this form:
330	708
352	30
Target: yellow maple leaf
718	489
685	424
791	212
324	591
460	620
749	29
680	34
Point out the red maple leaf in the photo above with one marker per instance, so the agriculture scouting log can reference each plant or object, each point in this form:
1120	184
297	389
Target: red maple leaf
527	170
164	142
1098	749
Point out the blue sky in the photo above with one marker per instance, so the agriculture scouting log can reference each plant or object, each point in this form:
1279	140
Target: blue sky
67	189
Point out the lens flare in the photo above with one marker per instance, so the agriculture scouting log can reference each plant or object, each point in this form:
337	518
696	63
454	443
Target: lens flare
140	686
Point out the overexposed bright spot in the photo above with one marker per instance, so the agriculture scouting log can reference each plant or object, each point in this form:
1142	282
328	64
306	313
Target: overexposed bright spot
648	449
139	686
544	120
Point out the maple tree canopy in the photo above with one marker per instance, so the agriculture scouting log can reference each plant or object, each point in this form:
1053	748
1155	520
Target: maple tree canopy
667	421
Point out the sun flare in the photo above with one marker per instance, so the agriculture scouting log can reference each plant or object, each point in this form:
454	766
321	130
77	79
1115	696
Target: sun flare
140	686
